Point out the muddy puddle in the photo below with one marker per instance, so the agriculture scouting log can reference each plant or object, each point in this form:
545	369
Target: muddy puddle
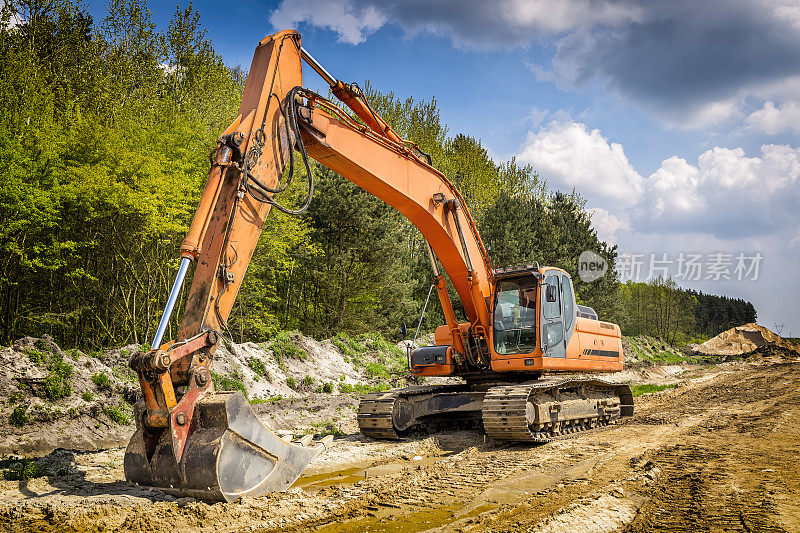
352	475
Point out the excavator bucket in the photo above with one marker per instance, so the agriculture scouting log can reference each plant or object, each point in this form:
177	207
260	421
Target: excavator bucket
230	453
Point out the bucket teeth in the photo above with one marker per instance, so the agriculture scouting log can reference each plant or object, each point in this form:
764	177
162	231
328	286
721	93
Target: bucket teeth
230	453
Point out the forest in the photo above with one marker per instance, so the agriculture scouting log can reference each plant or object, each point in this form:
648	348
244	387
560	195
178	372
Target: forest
105	134
659	308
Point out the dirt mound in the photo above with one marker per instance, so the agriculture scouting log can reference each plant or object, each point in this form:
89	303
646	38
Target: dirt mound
58	398
746	339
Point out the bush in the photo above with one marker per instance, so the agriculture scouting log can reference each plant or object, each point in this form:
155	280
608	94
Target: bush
327	387
102	381
87	396
231	382
19	416
308	381
117	415
291	383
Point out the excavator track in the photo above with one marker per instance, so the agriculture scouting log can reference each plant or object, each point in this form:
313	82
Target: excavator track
391	414
509	414
540	411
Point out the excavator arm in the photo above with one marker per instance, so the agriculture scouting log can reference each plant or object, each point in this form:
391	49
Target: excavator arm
209	443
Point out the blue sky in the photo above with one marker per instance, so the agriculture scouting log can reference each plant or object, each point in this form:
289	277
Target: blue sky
678	121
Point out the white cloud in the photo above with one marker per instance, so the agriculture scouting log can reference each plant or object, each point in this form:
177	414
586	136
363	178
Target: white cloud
607	225
795	242
565	15
568	155
726	194
353	23
537	116
703	115
772	119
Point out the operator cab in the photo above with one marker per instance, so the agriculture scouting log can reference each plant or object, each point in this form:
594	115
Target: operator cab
514	315
517	329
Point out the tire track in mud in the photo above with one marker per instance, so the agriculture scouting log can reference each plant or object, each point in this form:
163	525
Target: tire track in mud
732	471
457	479
695	494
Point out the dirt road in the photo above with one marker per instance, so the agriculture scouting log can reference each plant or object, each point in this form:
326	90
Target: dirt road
720	452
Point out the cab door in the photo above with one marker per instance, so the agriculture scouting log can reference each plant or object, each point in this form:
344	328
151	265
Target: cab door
553	339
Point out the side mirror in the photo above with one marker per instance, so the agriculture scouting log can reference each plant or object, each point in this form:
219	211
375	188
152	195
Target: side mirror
550	293
403	331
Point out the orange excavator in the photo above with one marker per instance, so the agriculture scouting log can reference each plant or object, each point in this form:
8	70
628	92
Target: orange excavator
523	321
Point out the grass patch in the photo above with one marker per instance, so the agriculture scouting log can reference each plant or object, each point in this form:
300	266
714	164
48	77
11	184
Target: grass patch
36	357
124	374
117	415
376	370
102	381
308	381
666	358
58	382
260	369
370	349
22	470
648	388
360	388
326	427
291	383
272	399
229	382
346	344
285	347
87	396
19	416
653	351
327	387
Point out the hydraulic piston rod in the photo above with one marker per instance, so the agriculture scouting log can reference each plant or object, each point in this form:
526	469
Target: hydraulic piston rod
173	297
313	63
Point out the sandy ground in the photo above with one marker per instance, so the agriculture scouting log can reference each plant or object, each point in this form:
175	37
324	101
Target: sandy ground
719	452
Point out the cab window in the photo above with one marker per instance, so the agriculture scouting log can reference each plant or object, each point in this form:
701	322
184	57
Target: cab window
569	310
515	316
552	309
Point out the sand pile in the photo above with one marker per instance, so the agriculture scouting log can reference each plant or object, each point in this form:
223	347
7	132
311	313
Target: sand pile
745	339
